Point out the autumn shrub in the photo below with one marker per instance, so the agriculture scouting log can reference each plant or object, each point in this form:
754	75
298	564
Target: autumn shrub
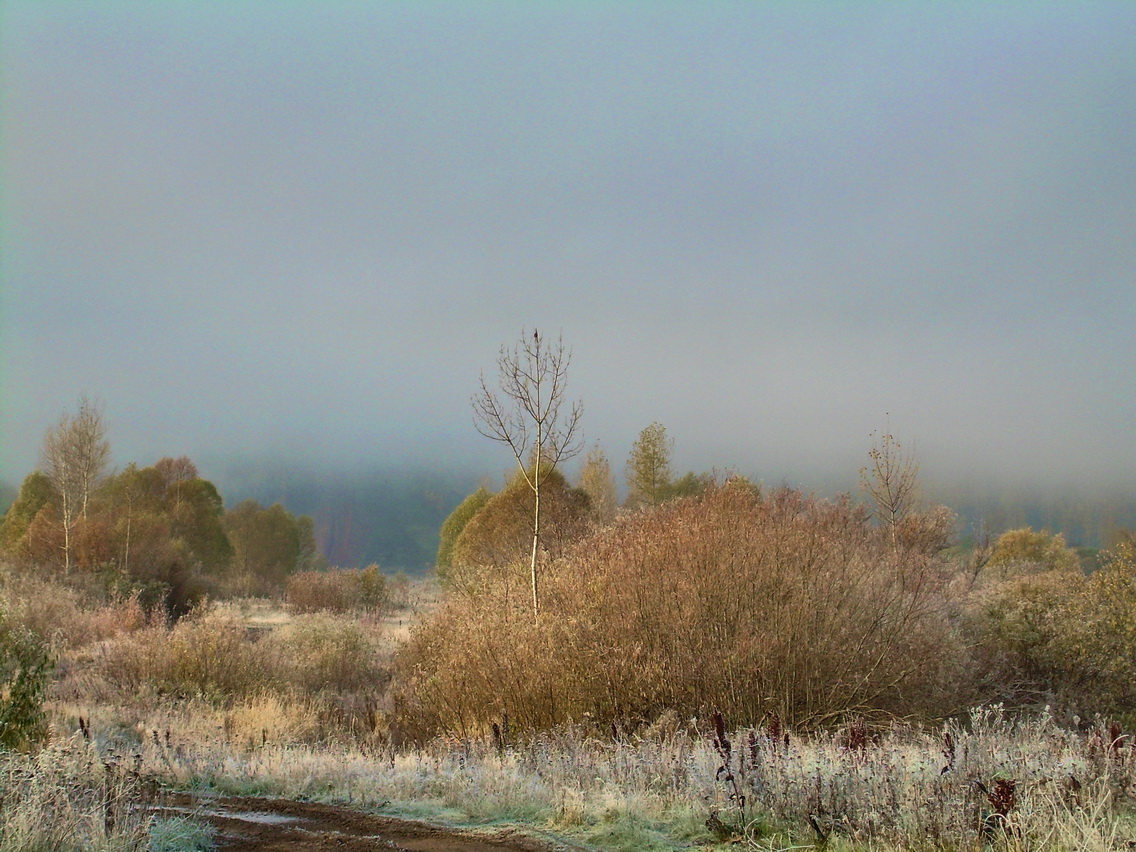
1099	644
1024	551
324	653
207	654
67	616
312	591
452	528
1014	627
747	602
338	591
316	676
397	591
1060	638
501	532
25	669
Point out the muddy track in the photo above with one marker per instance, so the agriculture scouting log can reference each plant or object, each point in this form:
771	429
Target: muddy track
275	825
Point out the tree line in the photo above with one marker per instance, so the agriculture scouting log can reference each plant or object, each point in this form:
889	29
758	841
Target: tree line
161	531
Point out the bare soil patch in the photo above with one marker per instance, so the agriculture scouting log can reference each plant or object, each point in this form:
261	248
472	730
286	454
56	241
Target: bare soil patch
251	824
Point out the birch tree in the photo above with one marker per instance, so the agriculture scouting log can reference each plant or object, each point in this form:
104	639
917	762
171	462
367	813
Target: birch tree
529	413
75	456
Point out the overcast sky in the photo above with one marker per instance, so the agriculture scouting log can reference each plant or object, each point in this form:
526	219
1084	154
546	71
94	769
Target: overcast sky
302	230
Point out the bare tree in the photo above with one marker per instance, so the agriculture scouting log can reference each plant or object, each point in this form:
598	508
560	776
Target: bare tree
528	414
75	456
891	481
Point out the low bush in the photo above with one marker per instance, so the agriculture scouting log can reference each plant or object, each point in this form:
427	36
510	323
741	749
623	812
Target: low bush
324	653
207	654
501	531
1060	638
316	676
338	591
68	617
25	671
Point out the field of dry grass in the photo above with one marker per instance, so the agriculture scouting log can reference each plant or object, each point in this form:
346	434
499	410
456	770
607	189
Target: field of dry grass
250	699
988	783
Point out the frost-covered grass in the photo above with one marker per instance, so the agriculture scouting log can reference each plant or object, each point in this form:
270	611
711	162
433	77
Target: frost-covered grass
72	797
315	730
179	834
989	783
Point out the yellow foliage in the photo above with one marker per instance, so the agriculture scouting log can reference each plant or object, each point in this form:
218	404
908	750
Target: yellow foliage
1023	551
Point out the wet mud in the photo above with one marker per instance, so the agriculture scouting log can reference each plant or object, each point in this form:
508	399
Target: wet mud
275	825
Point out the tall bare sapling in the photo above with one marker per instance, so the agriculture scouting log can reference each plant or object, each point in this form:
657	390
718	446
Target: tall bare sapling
529	413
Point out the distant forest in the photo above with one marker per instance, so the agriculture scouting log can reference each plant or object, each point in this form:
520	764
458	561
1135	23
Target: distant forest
393	518
1087	520
384	517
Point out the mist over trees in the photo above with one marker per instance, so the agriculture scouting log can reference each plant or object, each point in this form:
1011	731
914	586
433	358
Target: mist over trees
160	533
708	592
390	516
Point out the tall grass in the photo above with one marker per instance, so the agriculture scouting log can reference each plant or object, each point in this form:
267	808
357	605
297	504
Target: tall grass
72	798
338	591
896	789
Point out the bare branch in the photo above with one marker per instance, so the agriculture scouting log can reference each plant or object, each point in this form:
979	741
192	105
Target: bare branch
891	481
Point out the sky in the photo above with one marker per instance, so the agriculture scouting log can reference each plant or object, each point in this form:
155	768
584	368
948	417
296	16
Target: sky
299	232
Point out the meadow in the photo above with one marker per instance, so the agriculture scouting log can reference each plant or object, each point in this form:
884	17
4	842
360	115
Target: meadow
247	697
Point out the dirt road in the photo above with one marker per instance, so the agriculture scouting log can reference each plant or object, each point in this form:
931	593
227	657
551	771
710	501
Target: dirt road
246	824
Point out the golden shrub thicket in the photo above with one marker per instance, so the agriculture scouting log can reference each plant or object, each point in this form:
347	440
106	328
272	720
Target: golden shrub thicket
338	591
754	604
212	654
1058	637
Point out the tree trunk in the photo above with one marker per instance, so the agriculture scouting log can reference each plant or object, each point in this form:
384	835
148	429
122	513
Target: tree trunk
67	523
535	548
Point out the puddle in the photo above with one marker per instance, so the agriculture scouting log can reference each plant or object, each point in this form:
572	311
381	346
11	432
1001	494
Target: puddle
258	817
